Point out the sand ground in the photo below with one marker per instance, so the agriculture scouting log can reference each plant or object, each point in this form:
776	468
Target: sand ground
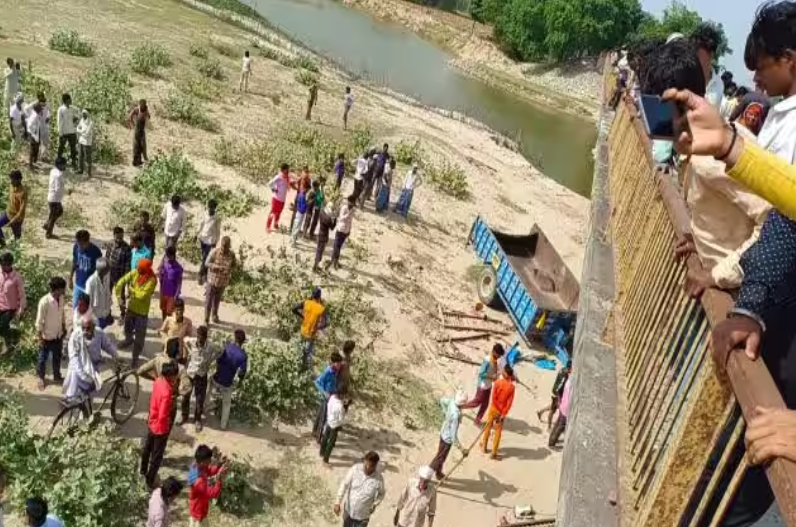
510	193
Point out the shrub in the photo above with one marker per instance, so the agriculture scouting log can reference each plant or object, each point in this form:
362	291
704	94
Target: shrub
200	87
223	48
106	152
240	498
305	77
187	109
212	69
68	41
407	153
198	50
236	203
166	175
449	179
188	249
226	152
85	476
306	62
125	212
361	138
148	57
105	91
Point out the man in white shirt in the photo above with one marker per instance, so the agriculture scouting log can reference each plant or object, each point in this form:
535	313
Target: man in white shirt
343	230
412	181
11	77
173	220
44	127
335	415
348	102
67	128
360	170
209	234
98	289
279	185
361	491
55	195
34	124
245	73
16	116
51	328
85	141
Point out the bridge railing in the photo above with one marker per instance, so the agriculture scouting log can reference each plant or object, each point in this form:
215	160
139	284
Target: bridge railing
679	423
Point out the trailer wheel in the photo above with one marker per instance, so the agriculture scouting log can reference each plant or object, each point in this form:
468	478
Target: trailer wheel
487	288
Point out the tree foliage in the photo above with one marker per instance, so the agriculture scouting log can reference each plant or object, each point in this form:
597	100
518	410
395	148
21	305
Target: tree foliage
559	30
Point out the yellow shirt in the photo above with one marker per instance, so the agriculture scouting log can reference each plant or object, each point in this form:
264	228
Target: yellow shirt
17	204
313	311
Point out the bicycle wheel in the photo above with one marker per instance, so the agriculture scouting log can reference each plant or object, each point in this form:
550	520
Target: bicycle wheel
125	397
68	419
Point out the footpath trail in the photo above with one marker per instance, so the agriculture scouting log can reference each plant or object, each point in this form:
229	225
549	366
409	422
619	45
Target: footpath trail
436	267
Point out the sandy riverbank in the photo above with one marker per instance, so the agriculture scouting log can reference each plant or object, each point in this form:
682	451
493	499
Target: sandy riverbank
505	189
573	88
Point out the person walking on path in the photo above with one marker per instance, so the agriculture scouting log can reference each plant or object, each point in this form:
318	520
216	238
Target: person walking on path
17	120
348	102
370	177
361	492
339	170
11	83
119	256
201	355
139	117
34	124
12	299
51	328
417	501
335	415
312	313
100	293
343	231
159	423
85	346
326	225
320	201
385	186
502	399
360	174
55	195
173	220
312	99
563	414
161	500
141	284
487	373
245	72
170	276
232	361
203	488
300	210
84	262
14	216
412	181
558	387
279	186
220	263
209	235
44	127
382	162
311	193
67	120
326	383
449	434
85	142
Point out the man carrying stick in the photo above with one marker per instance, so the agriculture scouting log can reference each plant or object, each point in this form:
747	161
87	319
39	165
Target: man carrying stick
449	434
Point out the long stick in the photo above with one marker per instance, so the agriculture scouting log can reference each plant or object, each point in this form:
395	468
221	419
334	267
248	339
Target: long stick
461	460
478	336
461	327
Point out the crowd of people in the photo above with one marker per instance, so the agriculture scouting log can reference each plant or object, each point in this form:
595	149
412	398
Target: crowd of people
732	157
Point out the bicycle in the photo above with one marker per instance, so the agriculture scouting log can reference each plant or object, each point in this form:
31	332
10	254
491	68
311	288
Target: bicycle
123	396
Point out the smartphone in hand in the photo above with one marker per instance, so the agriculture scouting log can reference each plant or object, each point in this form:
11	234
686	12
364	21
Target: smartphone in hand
658	116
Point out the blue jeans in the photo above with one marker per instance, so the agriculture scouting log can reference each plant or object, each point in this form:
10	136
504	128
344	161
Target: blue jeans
16	228
308	352
104	322
53	347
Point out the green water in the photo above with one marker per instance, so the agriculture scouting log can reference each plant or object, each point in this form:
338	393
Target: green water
388	54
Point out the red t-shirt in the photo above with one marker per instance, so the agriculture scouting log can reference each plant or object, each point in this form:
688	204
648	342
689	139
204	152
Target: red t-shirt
160	407
202	492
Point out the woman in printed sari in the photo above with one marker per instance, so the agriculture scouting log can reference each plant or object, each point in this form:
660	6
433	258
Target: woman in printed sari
412	181
383	195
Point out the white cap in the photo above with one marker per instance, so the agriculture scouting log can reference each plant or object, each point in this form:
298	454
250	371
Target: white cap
674	36
425	472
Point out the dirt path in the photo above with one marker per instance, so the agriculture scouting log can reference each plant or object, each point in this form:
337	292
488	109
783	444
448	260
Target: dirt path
505	189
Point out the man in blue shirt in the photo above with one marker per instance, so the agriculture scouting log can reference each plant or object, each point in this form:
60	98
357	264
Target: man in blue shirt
326	384
449	434
233	361
84	262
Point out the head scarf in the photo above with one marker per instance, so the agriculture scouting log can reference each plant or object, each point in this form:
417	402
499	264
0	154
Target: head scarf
425	472
752	111
144	271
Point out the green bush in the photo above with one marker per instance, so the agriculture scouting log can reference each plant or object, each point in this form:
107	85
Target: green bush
305	77
148	57
187	109
240	498
223	48
212	69
126	211
449	179
68	41
306	62
86	476
237	203
165	175
198	50
407	153
200	87
227	152
105	91
106	152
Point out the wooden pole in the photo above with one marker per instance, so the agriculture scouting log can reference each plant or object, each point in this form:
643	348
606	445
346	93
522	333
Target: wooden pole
461	460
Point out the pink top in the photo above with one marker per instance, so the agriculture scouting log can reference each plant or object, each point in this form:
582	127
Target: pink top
563	406
12	292
280	185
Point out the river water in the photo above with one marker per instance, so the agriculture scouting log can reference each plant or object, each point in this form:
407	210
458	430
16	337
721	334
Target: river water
388	54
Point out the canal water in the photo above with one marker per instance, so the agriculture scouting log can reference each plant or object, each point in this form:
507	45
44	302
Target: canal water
390	55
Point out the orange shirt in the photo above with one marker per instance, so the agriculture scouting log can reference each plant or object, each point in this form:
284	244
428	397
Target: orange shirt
503	395
313	312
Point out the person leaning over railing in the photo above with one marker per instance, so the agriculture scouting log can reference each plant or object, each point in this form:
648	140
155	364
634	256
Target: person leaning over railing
771	433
